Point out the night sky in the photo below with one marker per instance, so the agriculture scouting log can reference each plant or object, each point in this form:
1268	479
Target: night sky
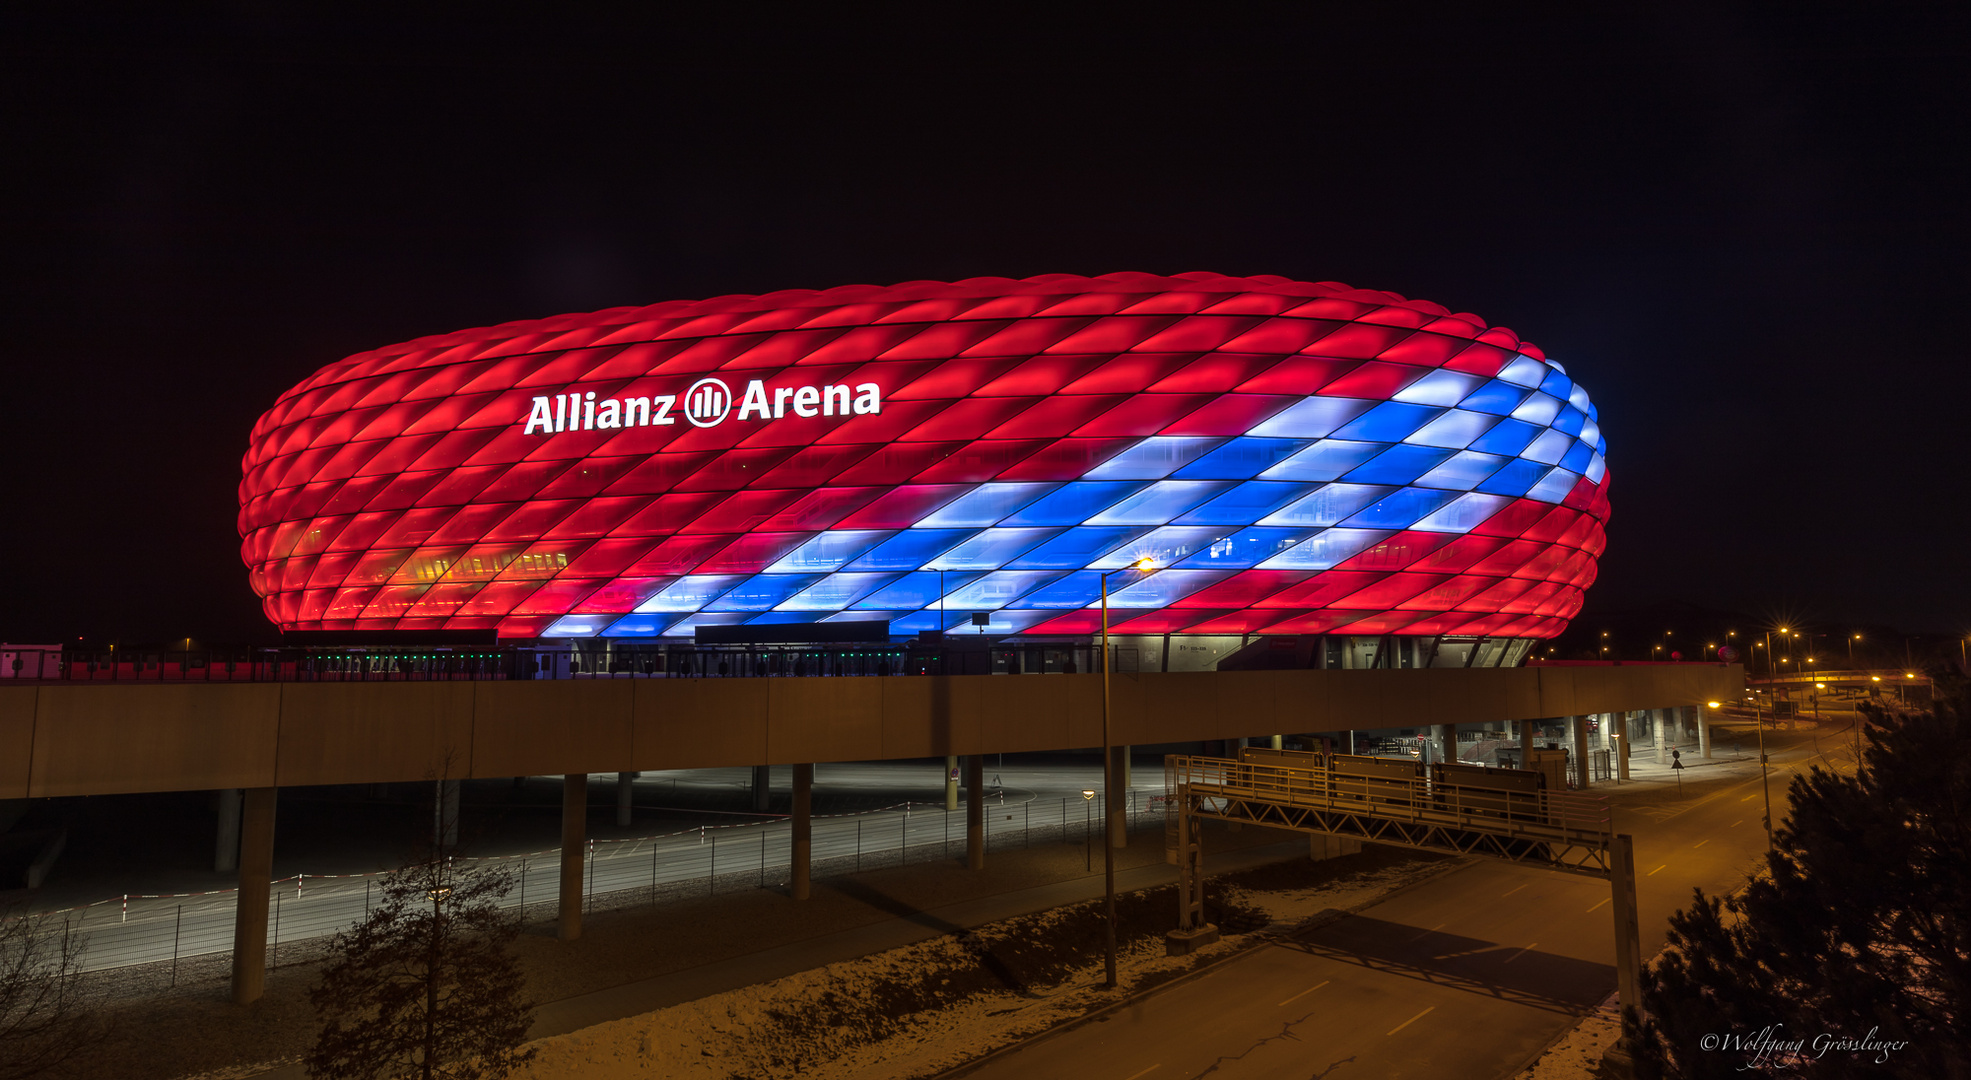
1746	234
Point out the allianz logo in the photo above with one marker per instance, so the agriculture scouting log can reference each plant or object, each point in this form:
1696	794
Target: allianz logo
706	404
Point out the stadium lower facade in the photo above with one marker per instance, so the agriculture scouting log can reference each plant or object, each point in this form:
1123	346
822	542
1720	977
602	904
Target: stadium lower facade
1241	460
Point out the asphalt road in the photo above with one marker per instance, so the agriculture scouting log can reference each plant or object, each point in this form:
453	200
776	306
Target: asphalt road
906	821
1472	973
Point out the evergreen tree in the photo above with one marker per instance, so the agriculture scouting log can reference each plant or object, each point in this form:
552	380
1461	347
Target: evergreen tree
1859	929
425	986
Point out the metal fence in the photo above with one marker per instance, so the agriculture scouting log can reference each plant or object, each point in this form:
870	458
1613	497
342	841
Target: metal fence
170	929
574	660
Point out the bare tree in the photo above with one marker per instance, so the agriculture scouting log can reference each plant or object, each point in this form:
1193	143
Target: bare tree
426	985
44	1022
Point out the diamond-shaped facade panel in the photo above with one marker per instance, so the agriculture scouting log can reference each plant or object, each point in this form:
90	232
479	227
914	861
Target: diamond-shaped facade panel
1294	457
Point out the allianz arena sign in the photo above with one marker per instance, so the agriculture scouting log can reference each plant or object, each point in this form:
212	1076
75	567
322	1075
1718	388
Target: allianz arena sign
706	404
1293	457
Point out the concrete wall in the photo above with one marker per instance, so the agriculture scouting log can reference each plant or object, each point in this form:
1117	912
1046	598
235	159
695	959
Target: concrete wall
84	739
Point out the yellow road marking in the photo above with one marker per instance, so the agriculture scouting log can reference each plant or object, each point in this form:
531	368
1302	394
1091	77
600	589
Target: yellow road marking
1592	910
1408	1022
1292	999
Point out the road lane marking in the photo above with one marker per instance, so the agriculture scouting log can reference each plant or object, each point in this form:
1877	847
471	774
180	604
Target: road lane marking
1410	1021
1513	890
1702	842
1652	873
1750	797
1287	1002
1146	1072
1592	910
1521	952
1737	823
1428	932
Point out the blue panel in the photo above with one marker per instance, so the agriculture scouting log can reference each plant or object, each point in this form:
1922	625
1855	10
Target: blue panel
1325	460
984	505
835	592
1162	546
989	549
1518	475
1509	437
1524	371
1462	516
762	592
1391	421
1152	459
634	626
913	591
910	549
1243	457
1399	465
1440	387
1578	458
1401	509
918	621
1558	385
1496	397
1454	430
691	592
829	551
1072	504
1160	502
1570	420
998	589
1076	548
1325	507
1539	409
1462	471
1314	418
1325	549
1245	504
1247	547
1076	590
1164	588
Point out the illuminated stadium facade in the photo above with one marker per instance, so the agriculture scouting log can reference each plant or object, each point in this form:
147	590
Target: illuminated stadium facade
1295	459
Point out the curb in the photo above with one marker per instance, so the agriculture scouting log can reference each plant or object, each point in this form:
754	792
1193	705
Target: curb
1258	939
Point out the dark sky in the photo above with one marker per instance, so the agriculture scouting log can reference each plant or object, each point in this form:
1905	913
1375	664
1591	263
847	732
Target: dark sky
1745	233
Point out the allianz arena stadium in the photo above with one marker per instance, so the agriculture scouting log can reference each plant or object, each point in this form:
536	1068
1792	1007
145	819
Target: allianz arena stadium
1241	457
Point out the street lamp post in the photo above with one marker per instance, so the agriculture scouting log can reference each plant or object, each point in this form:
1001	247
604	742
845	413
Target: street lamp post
1765	781
1144	565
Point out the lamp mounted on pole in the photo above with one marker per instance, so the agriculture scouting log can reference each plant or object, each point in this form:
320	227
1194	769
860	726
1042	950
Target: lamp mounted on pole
1145	565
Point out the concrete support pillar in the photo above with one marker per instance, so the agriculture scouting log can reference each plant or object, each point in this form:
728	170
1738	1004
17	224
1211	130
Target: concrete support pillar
1447	736
803	822
1607	730
1659	717
1279	742
1126	777
762	787
1622	746
574	844
625	798
226	856
1703	731
1577	730
445	815
256	858
950	782
1526	737
1322	846
1348	742
975	835
1119	810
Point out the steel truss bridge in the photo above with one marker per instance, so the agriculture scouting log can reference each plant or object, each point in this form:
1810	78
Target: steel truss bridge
1505	816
